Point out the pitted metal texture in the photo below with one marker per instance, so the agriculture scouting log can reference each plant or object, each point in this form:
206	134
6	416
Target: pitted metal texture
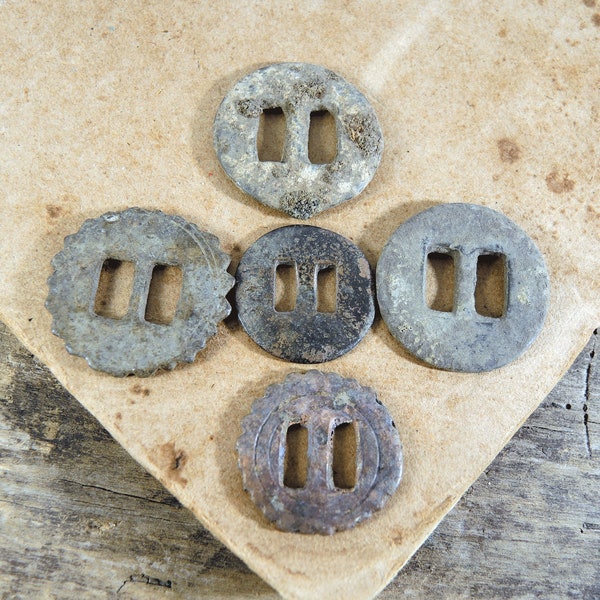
131	344
295	185
320	402
462	339
303	334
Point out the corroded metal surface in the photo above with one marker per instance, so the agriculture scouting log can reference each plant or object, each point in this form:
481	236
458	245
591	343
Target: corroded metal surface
320	402
295	185
305	335
462	339
132	345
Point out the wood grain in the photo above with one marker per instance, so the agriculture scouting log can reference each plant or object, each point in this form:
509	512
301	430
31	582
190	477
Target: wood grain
79	518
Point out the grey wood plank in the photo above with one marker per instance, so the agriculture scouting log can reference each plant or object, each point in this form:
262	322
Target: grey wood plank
79	518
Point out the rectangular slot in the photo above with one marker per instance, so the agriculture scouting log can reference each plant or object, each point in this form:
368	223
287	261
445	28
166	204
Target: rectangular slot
270	139
286	287
326	289
163	294
344	456
296	456
322	138
115	285
490	289
439	281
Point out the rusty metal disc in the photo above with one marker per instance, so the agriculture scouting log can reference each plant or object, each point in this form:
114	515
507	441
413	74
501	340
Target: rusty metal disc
320	402
132	344
461	338
304	334
294	184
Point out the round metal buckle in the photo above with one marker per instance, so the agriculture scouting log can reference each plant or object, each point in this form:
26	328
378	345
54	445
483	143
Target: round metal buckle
303	333
320	403
293	184
461	339
132	344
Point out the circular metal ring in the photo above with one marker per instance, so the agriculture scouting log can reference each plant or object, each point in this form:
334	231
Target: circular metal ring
302	333
295	185
131	344
461	339
320	403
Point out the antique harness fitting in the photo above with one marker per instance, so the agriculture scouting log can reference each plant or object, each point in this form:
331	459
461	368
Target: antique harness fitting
294	185
132	345
319	402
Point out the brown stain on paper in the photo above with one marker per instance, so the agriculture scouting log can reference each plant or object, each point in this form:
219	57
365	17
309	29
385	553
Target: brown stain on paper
140	390
509	151
593	221
54	211
171	462
559	182
61	207
596	19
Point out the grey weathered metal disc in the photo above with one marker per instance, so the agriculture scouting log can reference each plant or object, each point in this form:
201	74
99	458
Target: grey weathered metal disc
320	402
295	185
132	345
305	335
462	339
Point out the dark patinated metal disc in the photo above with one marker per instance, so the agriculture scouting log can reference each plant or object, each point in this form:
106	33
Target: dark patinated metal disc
303	334
295	185
131	344
320	402
462	339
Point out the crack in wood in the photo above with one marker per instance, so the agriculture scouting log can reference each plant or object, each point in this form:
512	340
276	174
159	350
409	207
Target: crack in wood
141	578
588	395
117	493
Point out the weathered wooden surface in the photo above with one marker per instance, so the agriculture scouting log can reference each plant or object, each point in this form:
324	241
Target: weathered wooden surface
79	518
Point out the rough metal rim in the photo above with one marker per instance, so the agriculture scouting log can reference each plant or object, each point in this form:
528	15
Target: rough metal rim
319	401
462	340
305	335
132	345
295	185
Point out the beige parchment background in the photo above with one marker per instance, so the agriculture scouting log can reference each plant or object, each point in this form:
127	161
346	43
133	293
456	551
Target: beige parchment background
108	105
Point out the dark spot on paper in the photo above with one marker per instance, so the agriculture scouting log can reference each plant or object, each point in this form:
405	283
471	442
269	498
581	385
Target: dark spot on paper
559	183
593	214
398	537
502	33
211	438
590	3
596	19
140	390
172	461
119	416
54	211
509	150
